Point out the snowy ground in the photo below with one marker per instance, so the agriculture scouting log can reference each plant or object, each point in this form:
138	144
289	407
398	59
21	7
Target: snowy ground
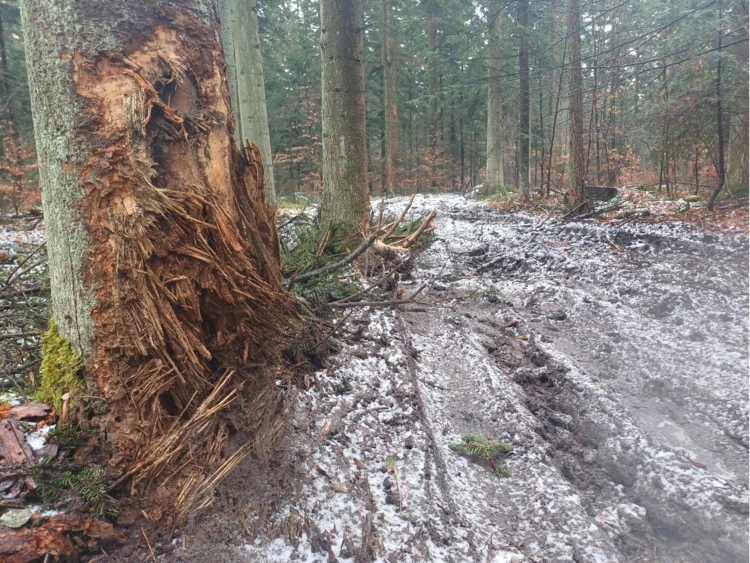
614	361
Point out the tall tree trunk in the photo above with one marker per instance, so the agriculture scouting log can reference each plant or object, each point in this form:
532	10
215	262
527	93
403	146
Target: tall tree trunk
696	171
13	148
432	87
390	101
524	178
345	196
495	176
610	141
543	154
241	41
163	256
720	167
554	118
577	156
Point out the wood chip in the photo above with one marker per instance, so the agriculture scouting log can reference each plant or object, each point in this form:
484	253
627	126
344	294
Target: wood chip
30	410
323	472
13	446
359	464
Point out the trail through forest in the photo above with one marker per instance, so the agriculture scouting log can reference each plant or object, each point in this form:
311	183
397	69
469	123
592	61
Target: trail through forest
613	361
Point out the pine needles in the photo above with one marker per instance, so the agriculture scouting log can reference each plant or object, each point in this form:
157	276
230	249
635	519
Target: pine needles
478	446
92	486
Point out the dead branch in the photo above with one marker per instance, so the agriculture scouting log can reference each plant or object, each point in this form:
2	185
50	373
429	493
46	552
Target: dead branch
418	233
324	241
395	225
336	265
371	303
20	334
573	211
597	212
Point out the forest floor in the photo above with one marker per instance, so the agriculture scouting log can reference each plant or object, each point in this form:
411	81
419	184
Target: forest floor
613	360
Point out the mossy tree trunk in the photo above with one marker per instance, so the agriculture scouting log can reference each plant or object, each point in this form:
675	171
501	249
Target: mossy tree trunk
495	177
241	41
163	256
345	194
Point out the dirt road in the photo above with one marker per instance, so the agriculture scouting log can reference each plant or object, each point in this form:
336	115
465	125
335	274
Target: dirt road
614	361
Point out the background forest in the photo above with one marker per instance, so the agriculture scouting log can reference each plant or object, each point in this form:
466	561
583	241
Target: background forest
654	73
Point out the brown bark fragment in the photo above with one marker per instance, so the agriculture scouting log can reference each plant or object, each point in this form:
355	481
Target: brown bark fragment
13	446
30	410
57	536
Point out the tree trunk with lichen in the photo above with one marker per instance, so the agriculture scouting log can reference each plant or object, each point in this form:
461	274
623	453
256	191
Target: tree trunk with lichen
241	41
345	194
163	256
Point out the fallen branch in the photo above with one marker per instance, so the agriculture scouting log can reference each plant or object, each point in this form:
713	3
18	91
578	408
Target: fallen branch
371	303
597	212
391	465
395	225
20	334
336	265
489	264
418	233
572	211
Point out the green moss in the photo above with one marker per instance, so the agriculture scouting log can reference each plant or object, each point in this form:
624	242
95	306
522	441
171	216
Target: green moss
61	370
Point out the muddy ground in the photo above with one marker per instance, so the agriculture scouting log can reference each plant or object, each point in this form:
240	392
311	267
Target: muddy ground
613	361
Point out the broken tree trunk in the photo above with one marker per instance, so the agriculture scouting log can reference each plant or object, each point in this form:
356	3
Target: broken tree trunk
163	256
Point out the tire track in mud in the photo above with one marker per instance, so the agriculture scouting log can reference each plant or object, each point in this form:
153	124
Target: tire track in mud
564	288
589	361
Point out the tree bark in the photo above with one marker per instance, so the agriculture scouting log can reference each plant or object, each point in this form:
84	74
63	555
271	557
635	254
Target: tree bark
241	42
554	118
390	101
432	87
163	256
524	147
495	176
12	148
720	163
345	197
577	156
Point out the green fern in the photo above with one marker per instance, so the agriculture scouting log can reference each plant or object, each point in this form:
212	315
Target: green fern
477	445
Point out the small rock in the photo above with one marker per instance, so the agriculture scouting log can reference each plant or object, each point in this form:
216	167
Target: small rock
16	517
